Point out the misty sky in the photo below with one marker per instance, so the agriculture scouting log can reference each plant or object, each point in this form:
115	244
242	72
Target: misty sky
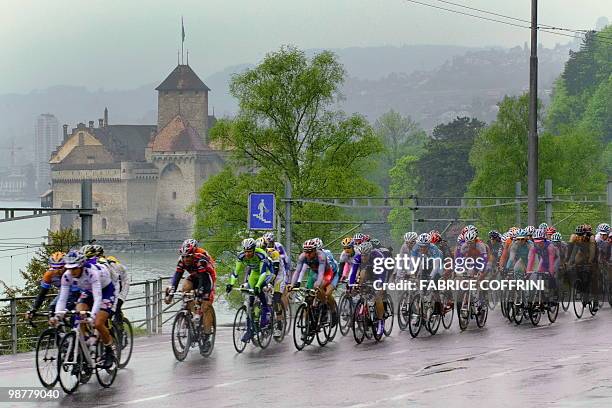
118	44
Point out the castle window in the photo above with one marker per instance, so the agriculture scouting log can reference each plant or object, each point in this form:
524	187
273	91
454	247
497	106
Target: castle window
174	195
104	223
180	92
197	92
90	159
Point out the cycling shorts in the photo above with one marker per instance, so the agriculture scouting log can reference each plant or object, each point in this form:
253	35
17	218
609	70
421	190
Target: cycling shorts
204	283
108	298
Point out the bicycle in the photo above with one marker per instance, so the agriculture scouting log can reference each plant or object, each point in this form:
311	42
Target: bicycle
47	347
470	307
403	316
313	318
261	334
125	340
581	296
80	354
187	327
540	303
364	315
346	306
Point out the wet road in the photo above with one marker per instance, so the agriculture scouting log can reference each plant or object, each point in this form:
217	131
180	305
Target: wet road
566	364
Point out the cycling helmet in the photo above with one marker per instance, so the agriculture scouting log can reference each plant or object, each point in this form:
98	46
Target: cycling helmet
543	226
268	237
587	229
347	242
410	237
530	229
56	260
522	233
112	259
550	230
260	243
74	259
358	237
512	231
472	228
424	239
188	247
435	237
494	234
88	251
375	242
603	228
556	237
470	236
98	249
504	237
248	244
539	234
318	243
579	230
366	237
365	248
309	245
460	238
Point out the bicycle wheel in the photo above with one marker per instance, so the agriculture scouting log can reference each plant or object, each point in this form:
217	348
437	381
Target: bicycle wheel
415	313
503	304
345	310
448	310
105	375
578	299
565	297
359	321
534	313
388	315
283	321
263	334
463	313
125	341
323	321
46	357
240	327
213	331
403	318
492	299
69	361
433	321
301	327
332	329
181	335
481	314
552	310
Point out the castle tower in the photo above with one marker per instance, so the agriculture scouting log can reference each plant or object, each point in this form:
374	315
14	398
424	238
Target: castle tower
183	93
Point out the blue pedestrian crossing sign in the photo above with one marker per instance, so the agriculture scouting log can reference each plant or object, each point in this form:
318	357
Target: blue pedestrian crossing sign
262	211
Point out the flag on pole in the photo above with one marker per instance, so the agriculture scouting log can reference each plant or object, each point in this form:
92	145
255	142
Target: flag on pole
182	29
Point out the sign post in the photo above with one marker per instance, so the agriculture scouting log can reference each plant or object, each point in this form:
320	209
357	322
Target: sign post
262	211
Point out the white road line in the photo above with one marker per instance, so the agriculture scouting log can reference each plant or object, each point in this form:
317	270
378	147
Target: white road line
137	401
229	383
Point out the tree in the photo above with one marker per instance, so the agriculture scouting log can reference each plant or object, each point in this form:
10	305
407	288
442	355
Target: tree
499	157
400	136
286	129
403	184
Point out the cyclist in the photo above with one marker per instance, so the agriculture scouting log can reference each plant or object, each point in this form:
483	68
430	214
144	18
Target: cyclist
123	281
363	271
202	277
530	229
358	238
328	285
495	250
431	266
258	271
346	257
542	258
518	255
97	295
549	232
271	243
52	278
583	257
282	279
405	251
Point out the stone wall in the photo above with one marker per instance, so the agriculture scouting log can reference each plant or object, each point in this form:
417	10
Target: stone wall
192	105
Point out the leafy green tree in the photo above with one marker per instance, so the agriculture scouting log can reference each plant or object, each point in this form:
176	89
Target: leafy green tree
400	136
287	128
573	160
403	184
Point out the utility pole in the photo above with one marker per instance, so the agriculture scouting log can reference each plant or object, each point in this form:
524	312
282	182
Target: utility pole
532	152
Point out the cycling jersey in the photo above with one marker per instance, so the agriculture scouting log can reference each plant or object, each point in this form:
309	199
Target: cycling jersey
367	268
50	279
284	255
93	280
258	268
122	278
426	266
346	263
474	251
202	263
542	258
318	263
518	256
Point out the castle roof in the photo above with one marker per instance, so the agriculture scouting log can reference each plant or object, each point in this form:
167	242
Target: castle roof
177	136
182	79
125	142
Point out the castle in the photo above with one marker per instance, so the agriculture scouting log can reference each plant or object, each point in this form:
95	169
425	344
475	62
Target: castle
144	177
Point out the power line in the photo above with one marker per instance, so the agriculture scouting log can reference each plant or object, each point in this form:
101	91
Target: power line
542	28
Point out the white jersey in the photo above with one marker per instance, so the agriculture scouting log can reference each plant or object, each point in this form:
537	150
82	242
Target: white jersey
94	278
119	274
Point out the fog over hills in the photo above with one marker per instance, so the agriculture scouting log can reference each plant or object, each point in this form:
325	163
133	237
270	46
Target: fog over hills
430	83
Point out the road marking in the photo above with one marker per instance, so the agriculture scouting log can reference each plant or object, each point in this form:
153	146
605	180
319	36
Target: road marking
137	401
466	358
227	384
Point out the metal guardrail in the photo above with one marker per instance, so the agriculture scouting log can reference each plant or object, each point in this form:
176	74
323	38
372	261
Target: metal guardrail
144	307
